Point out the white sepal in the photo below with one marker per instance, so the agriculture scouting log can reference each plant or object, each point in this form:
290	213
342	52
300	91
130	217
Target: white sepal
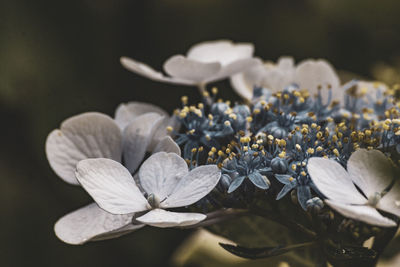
333	181
111	185
362	213
162	218
161	173
88	135
370	170
137	138
92	223
194	186
126	113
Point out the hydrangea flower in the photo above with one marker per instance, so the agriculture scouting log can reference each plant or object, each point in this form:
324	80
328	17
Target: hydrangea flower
269	75
313	75
166	182
251	164
136	126
204	63
372	172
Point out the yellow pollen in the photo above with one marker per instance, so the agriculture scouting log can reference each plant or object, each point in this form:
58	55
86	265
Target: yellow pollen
385	127
336	152
184	99
233	116
282	143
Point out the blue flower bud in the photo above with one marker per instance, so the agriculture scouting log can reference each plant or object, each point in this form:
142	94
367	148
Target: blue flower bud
219	108
242	110
314	205
279	165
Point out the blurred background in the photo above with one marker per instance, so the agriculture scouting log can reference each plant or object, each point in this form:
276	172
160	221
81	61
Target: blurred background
61	58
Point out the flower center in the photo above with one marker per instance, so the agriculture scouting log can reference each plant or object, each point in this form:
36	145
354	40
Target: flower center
154	201
374	199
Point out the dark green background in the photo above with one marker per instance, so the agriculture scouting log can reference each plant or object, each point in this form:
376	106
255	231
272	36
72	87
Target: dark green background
60	58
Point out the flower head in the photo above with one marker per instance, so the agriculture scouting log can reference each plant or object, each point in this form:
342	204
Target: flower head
137	126
372	172
166	182
204	63
313	75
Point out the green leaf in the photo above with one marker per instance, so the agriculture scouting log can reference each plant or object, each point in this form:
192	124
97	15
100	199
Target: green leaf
258	232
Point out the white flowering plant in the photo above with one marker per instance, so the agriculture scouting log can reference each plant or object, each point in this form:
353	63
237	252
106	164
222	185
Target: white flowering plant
305	168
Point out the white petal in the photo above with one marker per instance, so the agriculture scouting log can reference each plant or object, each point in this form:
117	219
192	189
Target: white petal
137	138
241	86
370	90
243	83
312	74
222	51
161	172
370	170
333	181
188	69
160	131
88	135
234	67
148	72
167	145
111	186
163	218
286	64
362	213
92	223
128	112
194	186
391	201
278	77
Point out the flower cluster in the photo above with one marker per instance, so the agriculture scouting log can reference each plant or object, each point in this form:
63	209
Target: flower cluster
303	150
